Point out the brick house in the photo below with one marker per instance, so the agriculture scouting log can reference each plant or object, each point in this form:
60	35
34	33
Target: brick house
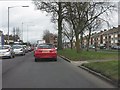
108	38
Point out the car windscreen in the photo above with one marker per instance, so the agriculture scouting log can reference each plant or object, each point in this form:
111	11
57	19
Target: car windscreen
45	46
4	47
17	47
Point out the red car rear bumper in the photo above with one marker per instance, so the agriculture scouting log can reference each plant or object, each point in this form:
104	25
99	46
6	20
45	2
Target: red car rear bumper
45	55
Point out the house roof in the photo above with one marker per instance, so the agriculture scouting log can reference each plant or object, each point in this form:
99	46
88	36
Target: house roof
111	31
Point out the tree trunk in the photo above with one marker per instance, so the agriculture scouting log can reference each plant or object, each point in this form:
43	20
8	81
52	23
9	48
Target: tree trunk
88	39
81	42
60	28
95	45
71	44
88	45
77	43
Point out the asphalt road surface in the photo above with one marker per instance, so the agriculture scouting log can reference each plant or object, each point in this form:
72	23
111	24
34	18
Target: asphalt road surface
23	72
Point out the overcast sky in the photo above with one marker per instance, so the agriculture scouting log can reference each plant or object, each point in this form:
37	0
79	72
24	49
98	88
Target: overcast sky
36	20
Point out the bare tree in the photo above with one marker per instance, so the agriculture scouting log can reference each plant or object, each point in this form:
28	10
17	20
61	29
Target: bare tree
83	14
46	36
16	33
80	14
94	26
68	32
57	11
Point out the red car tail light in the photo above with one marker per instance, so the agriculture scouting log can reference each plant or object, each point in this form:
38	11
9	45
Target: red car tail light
38	50
53	51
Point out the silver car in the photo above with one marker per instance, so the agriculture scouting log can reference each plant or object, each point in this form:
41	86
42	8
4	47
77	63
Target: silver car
19	49
6	51
26	49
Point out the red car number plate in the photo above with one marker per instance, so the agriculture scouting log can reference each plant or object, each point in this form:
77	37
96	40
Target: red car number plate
45	51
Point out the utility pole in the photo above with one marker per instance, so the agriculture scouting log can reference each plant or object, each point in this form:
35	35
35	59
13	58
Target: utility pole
8	19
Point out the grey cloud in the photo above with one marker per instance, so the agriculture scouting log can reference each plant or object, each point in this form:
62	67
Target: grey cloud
25	15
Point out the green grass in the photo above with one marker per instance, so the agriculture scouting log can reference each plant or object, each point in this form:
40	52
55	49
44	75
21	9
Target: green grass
108	68
87	55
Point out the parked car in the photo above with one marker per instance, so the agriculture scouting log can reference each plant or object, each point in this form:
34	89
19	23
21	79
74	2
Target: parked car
6	51
29	48
45	51
92	47
26	49
102	46
19	49
115	47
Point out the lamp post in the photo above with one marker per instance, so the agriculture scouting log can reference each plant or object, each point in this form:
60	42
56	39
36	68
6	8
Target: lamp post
8	18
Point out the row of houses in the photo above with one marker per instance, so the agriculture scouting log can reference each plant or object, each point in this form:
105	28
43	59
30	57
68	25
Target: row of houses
107	38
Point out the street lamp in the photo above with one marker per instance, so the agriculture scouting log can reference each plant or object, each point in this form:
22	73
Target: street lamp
8	18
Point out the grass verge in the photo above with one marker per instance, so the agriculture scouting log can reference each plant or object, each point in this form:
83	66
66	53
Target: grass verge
87	55
109	69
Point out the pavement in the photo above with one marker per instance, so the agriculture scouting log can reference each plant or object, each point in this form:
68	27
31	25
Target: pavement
23	72
79	64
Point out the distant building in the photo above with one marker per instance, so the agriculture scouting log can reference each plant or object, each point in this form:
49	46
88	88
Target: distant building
52	38
108	38
12	39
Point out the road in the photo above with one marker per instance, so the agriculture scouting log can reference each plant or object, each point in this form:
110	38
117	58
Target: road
23	72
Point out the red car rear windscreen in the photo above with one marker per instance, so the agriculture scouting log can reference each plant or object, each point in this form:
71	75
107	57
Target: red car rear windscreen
45	46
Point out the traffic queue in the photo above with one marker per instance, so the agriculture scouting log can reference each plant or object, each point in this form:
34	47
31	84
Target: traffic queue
10	51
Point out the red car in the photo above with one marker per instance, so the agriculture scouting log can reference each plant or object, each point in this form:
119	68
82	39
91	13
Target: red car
45	51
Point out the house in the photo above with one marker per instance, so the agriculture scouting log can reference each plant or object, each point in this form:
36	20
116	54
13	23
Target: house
50	38
107	38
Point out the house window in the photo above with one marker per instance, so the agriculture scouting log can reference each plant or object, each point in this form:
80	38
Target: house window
116	35
111	41
103	37
111	36
103	42
116	41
